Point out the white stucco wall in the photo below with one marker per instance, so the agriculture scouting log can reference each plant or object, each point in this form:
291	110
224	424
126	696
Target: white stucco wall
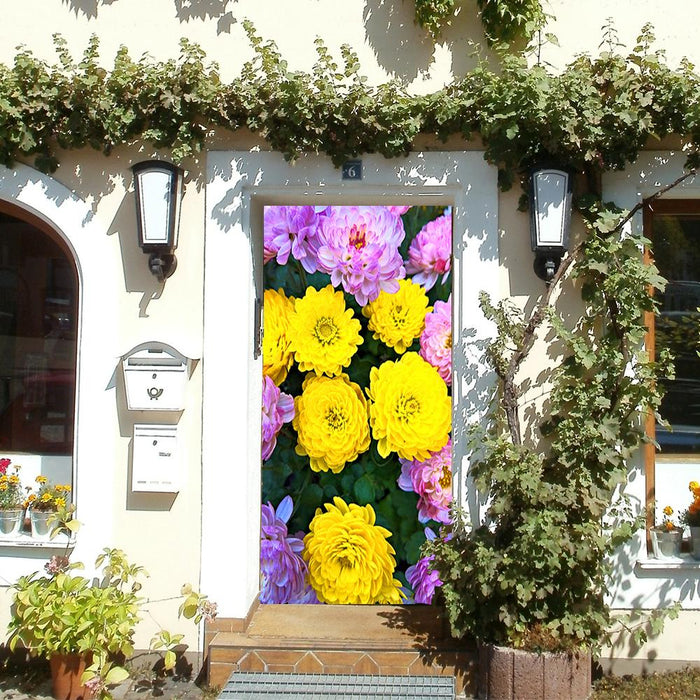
638	582
238	186
384	35
121	305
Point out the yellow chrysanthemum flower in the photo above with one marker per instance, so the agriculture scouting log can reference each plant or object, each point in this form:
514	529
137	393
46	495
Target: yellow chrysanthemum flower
41	480
410	410
277	356
398	319
60	502
350	559
330	418
324	333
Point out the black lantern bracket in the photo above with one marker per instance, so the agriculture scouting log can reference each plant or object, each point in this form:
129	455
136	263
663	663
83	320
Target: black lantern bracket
158	190
550	193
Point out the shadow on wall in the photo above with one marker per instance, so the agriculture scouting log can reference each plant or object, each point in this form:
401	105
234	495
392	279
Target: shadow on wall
407	51
185	10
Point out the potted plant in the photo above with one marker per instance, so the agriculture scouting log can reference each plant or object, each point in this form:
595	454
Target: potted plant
45	503
11	498
666	538
528	576
85	627
691	518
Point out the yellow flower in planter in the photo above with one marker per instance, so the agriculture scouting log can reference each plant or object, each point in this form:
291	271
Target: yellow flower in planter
350	559
330	418
398	319
324	333
277	356
410	410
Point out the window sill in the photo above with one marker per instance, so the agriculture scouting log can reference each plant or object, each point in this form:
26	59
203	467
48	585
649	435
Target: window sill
26	541
683	563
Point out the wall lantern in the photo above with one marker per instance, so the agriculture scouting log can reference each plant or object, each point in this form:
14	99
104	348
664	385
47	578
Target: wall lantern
550	213
158	187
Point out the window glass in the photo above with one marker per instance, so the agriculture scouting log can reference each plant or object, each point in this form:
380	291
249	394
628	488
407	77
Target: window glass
38	305
676	238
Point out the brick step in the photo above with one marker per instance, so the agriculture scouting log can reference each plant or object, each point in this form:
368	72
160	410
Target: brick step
344	639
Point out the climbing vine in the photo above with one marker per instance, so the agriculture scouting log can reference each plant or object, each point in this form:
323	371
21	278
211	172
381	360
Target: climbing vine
504	21
594	116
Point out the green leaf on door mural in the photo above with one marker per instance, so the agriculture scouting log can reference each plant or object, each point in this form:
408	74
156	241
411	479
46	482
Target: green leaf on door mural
356	401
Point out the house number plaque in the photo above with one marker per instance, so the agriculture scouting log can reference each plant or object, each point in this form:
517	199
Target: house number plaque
352	170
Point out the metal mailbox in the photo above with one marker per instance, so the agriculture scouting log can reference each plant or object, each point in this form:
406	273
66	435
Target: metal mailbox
155	380
154	465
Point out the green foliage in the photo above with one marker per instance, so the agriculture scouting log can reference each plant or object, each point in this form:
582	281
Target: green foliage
370	478
593	116
534	573
60	612
505	21
433	15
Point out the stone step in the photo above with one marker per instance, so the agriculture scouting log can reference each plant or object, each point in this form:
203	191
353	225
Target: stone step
406	641
306	686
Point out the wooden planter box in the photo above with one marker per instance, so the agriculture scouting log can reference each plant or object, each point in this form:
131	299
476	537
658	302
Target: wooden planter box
512	674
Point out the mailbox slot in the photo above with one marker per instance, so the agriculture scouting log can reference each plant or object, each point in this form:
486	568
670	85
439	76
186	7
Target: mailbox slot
155	380
155	466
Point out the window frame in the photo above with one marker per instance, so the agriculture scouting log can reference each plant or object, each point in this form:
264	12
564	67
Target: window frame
670	206
31	219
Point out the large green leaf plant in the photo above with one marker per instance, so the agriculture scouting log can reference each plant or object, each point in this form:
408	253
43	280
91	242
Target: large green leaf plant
60	612
533	573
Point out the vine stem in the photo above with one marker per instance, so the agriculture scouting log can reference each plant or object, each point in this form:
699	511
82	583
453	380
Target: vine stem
510	388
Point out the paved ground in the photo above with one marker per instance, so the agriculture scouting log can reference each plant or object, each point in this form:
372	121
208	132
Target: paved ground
21	688
31	681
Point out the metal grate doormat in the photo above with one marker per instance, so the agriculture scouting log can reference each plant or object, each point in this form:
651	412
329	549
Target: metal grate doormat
312	686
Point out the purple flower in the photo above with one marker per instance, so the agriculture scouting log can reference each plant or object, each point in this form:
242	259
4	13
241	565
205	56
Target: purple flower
436	339
398	211
359	248
277	408
422	578
432	481
284	573
291	230
430	252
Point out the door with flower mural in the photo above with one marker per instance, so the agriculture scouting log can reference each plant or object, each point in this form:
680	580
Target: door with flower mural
357	408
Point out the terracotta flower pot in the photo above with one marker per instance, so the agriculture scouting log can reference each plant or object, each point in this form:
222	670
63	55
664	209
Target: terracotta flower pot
66	670
513	674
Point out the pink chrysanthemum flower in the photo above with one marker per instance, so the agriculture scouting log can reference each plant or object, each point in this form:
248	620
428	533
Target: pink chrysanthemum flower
422	579
284	573
431	479
277	408
359	249
430	252
436	339
291	230
398	211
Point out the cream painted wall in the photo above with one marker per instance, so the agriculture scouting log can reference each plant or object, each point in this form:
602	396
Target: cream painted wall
90	202
384	34
238	186
639	582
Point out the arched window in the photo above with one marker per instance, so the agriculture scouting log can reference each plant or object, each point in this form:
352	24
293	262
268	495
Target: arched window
38	323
